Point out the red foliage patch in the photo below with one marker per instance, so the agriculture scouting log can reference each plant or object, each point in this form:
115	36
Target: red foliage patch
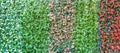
110	26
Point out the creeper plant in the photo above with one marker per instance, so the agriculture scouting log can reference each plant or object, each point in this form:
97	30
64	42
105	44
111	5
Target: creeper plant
10	26
61	19
109	23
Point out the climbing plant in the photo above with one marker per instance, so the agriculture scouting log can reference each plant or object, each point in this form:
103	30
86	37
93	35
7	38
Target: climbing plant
109	26
61	19
10	26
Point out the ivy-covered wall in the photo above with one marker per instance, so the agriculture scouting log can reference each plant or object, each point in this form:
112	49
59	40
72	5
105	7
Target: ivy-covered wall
109	26
85	27
35	27
11	13
25	26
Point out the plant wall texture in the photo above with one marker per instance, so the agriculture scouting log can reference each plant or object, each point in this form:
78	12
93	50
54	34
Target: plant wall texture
85	27
10	26
109	26
61	19
63	26
35	26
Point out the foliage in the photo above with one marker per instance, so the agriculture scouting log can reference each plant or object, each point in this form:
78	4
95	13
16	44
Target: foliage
10	26
35	27
109	23
61	19
28	24
85	32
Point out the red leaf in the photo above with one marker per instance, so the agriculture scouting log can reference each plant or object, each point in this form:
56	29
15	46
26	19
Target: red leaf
112	25
118	3
110	17
112	47
111	11
102	19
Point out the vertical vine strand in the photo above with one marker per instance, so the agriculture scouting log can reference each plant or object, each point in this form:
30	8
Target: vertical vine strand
61	19
10	34
109	26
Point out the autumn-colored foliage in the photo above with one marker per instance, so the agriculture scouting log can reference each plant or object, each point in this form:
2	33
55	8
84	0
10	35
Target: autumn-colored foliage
109	24
61	19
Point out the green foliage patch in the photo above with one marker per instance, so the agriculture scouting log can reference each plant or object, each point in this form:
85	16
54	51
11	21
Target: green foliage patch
10	26
85	32
35	27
